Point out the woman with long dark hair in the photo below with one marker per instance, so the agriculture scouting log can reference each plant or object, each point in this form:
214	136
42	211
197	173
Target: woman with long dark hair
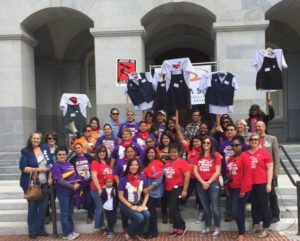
153	170
36	157
107	139
96	129
207	171
240	183
100	168
132	205
262	174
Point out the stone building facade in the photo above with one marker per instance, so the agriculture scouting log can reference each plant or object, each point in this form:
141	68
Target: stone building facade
61	46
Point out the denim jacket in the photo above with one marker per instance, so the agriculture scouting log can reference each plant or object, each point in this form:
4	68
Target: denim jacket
157	192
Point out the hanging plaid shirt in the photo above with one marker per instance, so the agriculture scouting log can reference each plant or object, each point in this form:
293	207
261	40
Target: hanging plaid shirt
192	130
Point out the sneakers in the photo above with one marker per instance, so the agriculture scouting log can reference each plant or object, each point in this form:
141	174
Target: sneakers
173	233
181	232
76	234
215	234
200	218
256	228
69	237
205	232
265	233
110	235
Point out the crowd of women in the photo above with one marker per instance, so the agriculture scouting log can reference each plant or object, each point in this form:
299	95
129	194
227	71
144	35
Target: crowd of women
151	165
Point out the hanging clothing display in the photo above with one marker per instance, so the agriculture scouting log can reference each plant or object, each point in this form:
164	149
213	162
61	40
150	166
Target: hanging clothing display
268	64
74	108
140	90
220	92
173	92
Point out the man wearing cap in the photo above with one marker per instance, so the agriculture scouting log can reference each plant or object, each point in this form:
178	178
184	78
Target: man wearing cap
159	126
192	129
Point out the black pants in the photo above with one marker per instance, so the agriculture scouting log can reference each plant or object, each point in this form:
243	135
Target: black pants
173	204
260	208
152	204
238	208
191	188
88	204
164	203
111	217
274	201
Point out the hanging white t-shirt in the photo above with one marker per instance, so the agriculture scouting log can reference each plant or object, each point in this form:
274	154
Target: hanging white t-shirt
177	66
74	99
216	109
259	55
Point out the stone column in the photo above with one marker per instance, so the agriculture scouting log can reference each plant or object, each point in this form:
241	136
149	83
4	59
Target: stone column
17	92
110	46
236	43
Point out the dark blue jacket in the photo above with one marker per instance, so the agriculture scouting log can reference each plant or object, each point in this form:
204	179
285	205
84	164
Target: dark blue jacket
115	196
29	160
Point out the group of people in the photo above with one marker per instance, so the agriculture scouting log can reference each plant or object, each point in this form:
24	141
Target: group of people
142	167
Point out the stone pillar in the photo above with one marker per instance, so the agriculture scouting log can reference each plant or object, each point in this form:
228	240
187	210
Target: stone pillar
17	92
110	46
236	43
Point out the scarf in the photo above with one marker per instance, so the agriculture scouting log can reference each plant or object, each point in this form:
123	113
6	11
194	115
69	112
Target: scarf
134	180
144	135
126	143
154	169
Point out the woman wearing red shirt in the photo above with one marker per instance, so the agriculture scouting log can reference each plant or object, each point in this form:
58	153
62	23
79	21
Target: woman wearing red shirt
100	169
207	171
239	187
177	176
262	173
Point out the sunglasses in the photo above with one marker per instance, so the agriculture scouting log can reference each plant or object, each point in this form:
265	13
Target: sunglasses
225	122
51	138
62	154
115	113
231	129
88	130
149	142
235	145
253	139
206	142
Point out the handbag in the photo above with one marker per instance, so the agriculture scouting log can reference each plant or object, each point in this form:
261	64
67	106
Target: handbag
34	191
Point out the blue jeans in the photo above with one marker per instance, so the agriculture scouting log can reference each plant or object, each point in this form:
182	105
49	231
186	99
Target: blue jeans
36	214
99	217
66	204
138	220
238	207
210	197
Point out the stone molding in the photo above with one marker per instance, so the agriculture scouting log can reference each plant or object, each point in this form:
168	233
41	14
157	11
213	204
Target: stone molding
240	26
117	33
25	38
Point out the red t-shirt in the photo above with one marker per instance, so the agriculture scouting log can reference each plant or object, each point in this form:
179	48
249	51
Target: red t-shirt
102	170
174	171
240	172
192	157
259	159
207	166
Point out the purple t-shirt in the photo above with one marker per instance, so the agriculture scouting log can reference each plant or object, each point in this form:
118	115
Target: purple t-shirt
108	142
134	126
120	167
65	171
119	151
131	193
227	151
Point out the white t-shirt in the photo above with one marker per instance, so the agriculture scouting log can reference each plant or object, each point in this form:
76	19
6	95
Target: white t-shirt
80	99
108	205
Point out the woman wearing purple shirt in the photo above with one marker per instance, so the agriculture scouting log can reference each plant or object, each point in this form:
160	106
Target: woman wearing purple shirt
131	187
66	184
107	139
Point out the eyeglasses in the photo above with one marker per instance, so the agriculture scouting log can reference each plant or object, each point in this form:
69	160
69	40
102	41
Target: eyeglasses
149	142
88	130
115	113
253	139
61	154
130	114
51	138
225	122
235	145
206	142
102	151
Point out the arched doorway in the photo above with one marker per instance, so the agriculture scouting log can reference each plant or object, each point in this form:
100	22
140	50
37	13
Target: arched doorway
284	32
176	30
64	42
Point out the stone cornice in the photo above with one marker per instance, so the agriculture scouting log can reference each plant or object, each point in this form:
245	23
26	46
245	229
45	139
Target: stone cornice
117	33
240	26
25	38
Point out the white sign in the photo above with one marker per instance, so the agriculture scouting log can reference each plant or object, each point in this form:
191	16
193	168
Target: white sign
198	83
